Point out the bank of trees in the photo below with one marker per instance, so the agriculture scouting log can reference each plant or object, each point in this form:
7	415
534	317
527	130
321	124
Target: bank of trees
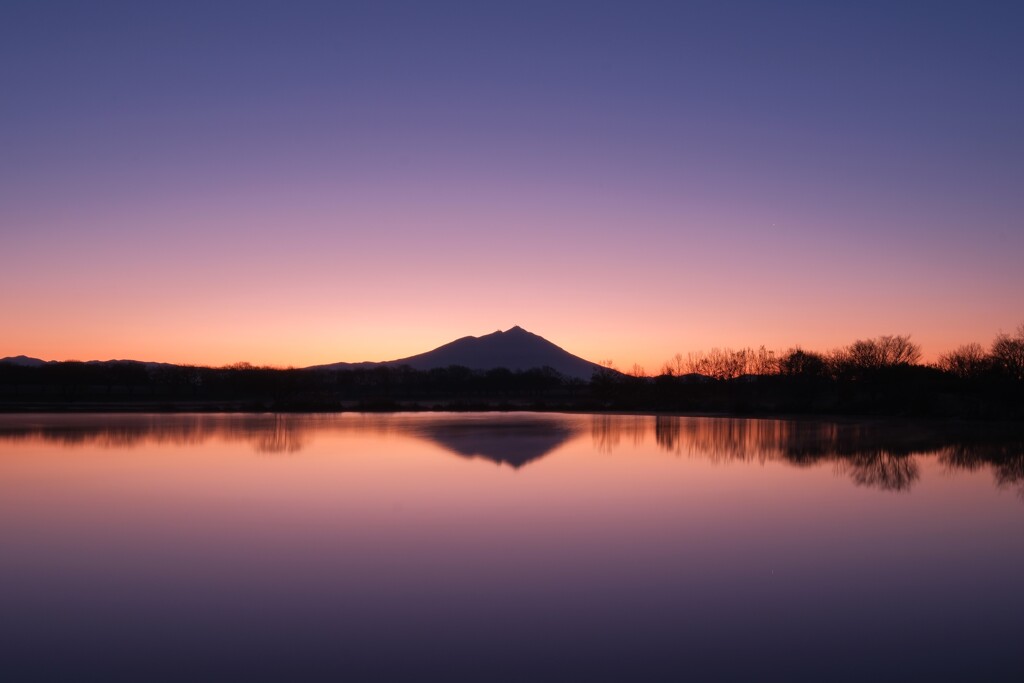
242	386
1004	358
864	355
882	375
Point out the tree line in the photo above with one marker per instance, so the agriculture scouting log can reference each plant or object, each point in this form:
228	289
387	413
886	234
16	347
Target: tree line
877	376
1003	358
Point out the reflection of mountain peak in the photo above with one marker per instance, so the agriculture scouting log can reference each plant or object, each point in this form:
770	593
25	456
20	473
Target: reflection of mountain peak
511	443
877	454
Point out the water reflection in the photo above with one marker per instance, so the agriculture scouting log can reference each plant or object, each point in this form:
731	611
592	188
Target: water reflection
1005	459
604	547
878	454
510	442
266	433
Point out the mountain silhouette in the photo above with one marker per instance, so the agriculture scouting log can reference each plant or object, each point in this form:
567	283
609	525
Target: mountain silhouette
513	349
26	361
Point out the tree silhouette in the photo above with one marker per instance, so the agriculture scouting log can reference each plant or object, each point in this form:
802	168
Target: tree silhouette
1008	354
968	360
798	362
884	351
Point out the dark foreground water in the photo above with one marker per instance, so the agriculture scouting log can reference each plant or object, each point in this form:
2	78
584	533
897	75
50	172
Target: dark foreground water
521	547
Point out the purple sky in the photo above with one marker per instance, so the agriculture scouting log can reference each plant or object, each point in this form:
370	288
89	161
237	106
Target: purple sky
294	183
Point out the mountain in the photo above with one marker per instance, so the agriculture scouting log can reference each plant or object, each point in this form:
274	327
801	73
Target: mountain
23	360
514	349
29	362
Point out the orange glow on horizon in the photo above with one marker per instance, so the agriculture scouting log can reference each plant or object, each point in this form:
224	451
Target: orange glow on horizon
264	345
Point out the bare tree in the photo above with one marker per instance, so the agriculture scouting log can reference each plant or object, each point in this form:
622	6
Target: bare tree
1008	353
717	363
884	351
674	366
764	362
804	363
968	360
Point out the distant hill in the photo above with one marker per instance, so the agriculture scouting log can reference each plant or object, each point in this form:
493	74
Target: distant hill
23	360
514	349
27	361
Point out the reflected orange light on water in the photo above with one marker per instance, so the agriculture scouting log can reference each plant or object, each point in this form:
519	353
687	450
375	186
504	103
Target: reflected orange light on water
358	473
325	541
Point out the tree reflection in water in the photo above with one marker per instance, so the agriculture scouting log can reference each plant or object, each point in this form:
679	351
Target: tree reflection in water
881	470
1005	458
881	454
280	437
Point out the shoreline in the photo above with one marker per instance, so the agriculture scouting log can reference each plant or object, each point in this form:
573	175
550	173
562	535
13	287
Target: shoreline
249	408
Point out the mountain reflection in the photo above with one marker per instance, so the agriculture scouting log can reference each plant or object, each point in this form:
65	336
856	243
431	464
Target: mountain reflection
878	454
514	443
510	440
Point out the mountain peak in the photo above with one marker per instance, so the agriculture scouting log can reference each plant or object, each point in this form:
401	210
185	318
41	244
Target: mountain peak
512	332
514	349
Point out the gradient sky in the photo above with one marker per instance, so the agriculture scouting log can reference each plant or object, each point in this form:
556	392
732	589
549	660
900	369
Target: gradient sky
295	183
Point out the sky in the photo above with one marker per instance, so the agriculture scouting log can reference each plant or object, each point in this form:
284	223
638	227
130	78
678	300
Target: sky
293	183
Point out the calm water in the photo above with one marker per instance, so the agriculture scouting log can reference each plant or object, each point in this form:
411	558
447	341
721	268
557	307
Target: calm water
506	547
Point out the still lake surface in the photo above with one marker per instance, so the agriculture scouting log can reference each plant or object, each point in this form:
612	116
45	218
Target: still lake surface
507	547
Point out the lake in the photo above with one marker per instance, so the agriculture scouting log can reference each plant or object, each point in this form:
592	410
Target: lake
523	546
